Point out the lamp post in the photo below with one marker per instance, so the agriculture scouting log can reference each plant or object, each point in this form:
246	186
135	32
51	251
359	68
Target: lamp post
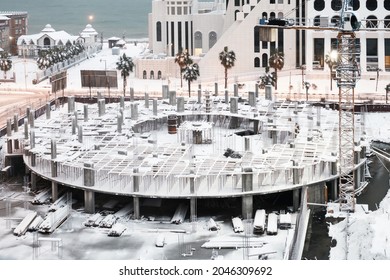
307	86
387	88
303	67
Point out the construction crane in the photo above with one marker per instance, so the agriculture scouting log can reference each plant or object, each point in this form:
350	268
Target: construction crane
347	74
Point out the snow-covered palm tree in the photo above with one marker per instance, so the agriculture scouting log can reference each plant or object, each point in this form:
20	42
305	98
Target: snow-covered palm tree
44	60
190	73
5	63
125	65
276	61
183	59
331	61
227	59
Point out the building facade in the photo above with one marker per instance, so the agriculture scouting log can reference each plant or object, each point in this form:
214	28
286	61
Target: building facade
12	26
205	28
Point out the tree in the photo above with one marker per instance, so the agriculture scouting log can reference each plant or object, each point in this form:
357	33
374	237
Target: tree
125	65
276	61
5	63
183	59
191	73
227	59
331	61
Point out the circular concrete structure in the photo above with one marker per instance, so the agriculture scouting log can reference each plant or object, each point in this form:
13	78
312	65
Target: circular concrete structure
126	148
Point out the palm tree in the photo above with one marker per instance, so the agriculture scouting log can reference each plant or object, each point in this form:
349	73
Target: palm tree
125	65
191	73
227	59
183	59
5	63
276	61
331	61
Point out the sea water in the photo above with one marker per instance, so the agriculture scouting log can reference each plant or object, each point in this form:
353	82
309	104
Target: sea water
128	18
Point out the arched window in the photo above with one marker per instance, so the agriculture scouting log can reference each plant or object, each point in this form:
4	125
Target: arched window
387	22
319	5
272	15
280	15
198	40
159	74
257	62
235	14
336	5
46	42
386	4
372	22
264	60
158	31
144	75
152	75
212	39
265	15
371	5
316	21
335	21
356	5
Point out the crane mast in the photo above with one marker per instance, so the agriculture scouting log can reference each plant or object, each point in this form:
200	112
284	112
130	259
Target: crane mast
347	74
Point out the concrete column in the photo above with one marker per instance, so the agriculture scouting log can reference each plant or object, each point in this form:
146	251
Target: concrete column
31	118
134	111
268	92
155	110
247	144
199	95
193	211
122	101
257	90
247	186
28	111
136	206
256	126
76	117
226	96
172	98
165	91
146	100
180	104
131	94
16	122
80	133
85	112
89	202
32	139
73	125
234	105
9	127
119	123
135	180
101	107
48	110
99	95
54	191
26	133
296	199
71	104
296	175
33	180
216	89
318	116
89	175
235	90
251	99
53	147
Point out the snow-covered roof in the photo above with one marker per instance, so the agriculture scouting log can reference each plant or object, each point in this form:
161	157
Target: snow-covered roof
114	39
3	17
47	28
57	36
121	42
88	31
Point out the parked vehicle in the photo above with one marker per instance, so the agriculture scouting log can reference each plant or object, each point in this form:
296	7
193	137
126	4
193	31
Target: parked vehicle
238	226
259	221
272	224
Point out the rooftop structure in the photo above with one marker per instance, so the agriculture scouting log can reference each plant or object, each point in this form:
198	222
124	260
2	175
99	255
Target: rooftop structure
13	24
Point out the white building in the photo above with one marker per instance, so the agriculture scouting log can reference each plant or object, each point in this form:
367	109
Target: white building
205	28
29	45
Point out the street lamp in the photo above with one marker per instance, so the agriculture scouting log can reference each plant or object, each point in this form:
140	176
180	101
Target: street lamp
307	86
303	67
387	88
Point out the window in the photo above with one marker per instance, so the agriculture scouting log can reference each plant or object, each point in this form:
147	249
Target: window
237	3
158	31
318	55
159	75
46	42
152	75
256	37
336	5
355	5
316	21
371	5
179	11
198	39
319	5
257	62
386	4
212	39
372	22
264	60
387	22
335	21
144	75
